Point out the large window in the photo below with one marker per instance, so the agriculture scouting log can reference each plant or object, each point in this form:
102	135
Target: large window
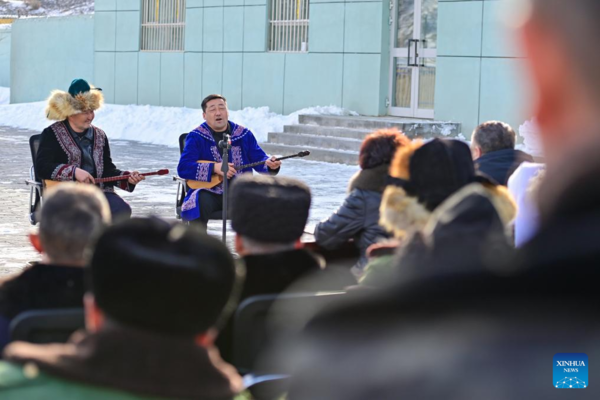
288	26
163	25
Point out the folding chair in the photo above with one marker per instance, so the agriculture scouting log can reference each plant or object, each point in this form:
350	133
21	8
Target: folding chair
266	320
182	187
47	326
36	190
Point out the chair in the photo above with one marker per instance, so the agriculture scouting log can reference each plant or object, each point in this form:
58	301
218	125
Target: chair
182	187
47	326
259	320
36	190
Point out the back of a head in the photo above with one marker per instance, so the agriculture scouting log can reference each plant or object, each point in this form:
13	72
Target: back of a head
162	278
71	216
269	209
493	136
379	147
576	24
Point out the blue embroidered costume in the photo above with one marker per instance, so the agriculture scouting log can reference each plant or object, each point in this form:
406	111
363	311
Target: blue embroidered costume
200	145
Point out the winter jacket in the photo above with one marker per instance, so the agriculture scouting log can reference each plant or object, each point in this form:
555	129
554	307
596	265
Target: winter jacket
501	164
40	286
358	217
457	234
59	156
117	363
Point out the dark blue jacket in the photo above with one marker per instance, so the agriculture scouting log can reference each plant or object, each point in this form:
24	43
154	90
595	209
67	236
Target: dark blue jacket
501	164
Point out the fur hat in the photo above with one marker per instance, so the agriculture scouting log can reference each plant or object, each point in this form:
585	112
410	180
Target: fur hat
424	176
269	209
80	97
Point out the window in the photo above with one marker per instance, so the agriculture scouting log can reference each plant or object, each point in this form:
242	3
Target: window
163	25
288	26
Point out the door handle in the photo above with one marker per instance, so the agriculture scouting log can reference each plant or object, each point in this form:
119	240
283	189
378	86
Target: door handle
410	41
422	58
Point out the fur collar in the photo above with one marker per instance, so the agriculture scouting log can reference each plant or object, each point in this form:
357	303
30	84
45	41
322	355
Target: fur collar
62	105
372	179
403	215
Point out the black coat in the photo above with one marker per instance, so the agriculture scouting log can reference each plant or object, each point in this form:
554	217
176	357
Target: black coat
358	217
464	335
501	164
59	155
41	286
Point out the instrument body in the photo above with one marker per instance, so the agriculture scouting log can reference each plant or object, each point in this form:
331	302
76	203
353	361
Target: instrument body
49	183
216	179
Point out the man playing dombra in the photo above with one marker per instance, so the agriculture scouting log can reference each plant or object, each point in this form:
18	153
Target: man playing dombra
203	144
72	149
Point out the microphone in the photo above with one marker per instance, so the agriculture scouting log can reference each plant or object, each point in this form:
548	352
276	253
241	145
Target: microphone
226	142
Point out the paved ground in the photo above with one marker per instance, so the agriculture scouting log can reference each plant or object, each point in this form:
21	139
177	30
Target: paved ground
155	196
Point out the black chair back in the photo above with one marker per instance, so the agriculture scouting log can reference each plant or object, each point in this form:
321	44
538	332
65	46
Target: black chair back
47	326
259	320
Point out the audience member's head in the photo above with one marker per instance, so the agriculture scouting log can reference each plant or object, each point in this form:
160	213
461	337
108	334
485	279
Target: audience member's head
424	176
492	136
71	216
162	278
557	35
379	147
268	213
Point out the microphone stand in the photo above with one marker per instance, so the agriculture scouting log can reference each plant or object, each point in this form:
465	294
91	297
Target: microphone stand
225	145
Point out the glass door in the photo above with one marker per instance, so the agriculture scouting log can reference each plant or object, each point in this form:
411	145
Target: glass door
413	58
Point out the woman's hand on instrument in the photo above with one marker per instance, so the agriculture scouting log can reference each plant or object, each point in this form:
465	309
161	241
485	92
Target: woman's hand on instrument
135	178
83	176
272	163
232	171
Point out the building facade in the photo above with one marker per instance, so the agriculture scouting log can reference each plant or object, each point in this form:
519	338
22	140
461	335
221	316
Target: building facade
436	59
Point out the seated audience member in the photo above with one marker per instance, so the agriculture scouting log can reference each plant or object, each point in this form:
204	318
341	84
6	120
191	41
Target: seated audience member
358	216
424	177
493	149
71	216
157	293
523	184
268	215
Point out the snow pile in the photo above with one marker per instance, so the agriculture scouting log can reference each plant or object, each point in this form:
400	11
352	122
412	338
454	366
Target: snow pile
46	8
156	125
532	144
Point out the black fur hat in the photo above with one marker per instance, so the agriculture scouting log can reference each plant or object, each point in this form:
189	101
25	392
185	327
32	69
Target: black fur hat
162	278
269	209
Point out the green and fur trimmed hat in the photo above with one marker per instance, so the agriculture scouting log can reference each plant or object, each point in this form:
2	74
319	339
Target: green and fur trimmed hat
80	97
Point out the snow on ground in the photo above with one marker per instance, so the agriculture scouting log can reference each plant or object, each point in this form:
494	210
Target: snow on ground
154	124
46	8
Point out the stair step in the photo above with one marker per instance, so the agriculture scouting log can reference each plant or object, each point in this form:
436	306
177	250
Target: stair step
411	127
327	142
316	154
349	133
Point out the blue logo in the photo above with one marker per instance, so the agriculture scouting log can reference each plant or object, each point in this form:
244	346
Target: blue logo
570	371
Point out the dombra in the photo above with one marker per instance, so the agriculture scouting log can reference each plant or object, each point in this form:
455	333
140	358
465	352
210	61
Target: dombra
216	179
49	183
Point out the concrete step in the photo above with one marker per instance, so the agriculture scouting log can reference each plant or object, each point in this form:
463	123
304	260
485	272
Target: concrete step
326	142
328	131
316	154
413	128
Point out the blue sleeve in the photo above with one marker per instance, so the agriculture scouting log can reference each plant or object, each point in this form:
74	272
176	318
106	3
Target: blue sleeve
255	153
342	225
188	167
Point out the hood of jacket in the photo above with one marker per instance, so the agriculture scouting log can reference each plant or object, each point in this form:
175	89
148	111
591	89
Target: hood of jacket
372	179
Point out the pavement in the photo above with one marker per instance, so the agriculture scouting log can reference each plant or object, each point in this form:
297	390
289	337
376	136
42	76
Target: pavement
155	196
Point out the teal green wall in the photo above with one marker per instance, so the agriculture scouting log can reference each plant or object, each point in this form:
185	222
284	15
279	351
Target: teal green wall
5	55
225	52
479	74
48	53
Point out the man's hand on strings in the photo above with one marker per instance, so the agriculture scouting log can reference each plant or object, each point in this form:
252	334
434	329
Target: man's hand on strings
272	163
83	176
135	178
232	171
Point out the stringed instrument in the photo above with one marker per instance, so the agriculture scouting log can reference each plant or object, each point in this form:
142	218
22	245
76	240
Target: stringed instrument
216	179
49	183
